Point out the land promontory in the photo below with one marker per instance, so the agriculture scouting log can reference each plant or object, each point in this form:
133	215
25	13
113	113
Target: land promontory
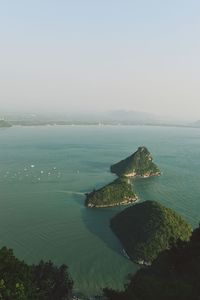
139	163
118	192
147	228
4	123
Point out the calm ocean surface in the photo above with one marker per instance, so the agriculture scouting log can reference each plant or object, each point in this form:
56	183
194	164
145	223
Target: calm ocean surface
45	171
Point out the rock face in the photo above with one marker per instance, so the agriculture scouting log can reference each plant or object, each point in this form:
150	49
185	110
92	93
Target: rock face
118	192
139	163
148	228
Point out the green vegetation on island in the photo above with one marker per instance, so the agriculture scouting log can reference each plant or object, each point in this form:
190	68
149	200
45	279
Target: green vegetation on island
174	275
139	163
148	228
118	192
44	281
4	123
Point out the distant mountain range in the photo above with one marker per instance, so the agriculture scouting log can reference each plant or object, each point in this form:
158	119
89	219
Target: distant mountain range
196	124
114	117
133	117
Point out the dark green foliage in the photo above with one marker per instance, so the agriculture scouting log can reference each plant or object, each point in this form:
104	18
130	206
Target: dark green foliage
44	281
52	282
4	123
15	277
148	228
174	275
113	295
115	193
140	163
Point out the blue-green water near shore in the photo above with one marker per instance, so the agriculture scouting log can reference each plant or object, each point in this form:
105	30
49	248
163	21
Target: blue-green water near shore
45	171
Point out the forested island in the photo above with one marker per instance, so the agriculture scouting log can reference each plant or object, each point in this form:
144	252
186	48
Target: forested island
118	192
174	275
148	228
139	163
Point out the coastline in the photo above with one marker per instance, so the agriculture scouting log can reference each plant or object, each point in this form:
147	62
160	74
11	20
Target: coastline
134	175
122	203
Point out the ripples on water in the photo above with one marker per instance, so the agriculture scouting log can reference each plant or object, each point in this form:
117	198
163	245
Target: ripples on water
44	173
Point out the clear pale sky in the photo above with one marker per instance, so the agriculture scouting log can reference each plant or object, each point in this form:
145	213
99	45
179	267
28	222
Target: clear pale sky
99	55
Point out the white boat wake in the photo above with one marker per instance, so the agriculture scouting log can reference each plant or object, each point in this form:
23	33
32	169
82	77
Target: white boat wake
72	193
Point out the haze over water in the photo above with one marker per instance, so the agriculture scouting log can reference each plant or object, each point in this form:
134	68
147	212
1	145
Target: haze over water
45	171
65	56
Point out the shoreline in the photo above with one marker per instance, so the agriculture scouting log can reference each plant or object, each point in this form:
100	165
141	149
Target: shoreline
123	203
102	125
143	176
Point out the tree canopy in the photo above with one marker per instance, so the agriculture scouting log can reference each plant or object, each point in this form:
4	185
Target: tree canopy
147	228
44	281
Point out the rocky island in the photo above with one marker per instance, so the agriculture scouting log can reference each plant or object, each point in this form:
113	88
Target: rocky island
139	163
118	192
148	228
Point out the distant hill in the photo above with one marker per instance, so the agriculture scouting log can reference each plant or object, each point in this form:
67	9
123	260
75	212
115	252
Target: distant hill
132	117
139	163
196	124
148	228
4	123
114	117
118	192
106	117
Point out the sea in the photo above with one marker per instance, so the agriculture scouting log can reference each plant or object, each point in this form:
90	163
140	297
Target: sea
45	173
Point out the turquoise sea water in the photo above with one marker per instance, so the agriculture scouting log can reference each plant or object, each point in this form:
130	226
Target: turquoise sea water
45	171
